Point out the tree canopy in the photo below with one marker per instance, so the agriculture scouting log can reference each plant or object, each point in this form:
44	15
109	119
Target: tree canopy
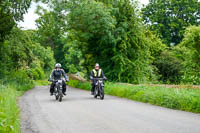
169	18
112	34
11	11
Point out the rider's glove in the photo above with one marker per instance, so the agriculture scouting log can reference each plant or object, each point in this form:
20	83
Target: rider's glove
67	80
105	78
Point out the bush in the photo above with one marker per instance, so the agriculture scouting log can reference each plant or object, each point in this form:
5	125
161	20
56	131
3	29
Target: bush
19	80
38	73
170	66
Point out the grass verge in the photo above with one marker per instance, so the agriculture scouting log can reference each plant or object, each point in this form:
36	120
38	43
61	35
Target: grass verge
185	99
42	82
9	110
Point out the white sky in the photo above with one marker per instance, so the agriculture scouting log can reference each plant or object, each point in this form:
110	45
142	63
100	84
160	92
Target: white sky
31	16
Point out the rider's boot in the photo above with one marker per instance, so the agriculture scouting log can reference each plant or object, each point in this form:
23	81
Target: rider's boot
92	89
92	92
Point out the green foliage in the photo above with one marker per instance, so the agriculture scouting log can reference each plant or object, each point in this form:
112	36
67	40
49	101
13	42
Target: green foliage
19	51
22	59
73	55
112	34
169	18
9	111
51	31
74	83
170	66
156	48
156	45
191	42
183	99
11	11
91	25
42	82
37	73
84	32
10	88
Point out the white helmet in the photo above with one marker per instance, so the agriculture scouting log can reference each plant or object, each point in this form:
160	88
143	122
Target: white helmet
97	65
58	65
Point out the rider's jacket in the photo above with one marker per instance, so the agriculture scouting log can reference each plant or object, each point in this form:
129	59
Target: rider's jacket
97	73
57	74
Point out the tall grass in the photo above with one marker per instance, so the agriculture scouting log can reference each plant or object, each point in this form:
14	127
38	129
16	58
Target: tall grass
185	99
9	112
10	89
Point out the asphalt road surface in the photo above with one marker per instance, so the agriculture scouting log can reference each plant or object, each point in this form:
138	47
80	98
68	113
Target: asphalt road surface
79	112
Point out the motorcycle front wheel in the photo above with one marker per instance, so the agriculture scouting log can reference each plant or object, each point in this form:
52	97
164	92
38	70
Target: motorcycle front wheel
60	95
56	96
101	93
60	99
95	92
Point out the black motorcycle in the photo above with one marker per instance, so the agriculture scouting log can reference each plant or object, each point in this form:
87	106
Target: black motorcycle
58	90
99	88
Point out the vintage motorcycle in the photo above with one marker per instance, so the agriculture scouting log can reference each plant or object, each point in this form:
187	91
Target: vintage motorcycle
99	88
58	89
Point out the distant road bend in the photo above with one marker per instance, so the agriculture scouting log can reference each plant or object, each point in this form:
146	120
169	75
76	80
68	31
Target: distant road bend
79	112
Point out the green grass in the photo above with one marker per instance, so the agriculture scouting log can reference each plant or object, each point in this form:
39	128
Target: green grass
9	110
185	99
42	82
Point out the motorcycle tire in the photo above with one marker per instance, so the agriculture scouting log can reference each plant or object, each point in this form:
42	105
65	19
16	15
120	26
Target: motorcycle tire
95	92
60	99
101	93
56	97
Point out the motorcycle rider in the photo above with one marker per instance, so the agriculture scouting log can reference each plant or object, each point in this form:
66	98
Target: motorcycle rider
96	73
56	74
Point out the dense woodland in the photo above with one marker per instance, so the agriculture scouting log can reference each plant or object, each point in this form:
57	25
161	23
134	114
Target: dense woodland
158	43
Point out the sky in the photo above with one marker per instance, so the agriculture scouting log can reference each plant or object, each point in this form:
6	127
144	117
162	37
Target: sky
31	16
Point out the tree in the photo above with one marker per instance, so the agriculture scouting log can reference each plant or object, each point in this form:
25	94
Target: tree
20	51
73	55
169	18
92	25
11	11
191	42
112	34
51	31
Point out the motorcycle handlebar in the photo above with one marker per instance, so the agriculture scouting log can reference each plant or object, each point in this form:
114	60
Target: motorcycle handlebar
99	78
52	80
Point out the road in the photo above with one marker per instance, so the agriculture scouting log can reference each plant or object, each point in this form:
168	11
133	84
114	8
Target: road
79	112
